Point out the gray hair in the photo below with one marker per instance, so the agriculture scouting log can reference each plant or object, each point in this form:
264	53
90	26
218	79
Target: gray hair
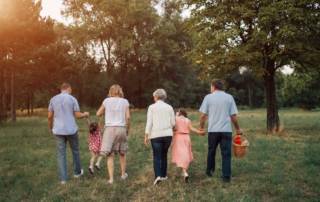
160	94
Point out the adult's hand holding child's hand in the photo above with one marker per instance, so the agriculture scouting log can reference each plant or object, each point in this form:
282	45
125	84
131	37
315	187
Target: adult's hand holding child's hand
202	132
86	114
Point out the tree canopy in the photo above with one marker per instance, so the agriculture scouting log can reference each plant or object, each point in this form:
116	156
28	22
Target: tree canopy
142	48
260	36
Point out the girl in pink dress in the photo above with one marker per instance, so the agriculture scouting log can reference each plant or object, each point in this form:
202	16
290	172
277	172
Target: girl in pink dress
181	143
94	141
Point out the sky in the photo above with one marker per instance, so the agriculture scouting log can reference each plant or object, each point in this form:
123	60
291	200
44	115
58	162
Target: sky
53	9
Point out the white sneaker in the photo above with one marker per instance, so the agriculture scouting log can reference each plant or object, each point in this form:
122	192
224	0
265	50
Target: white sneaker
125	176
78	175
157	181
63	182
164	178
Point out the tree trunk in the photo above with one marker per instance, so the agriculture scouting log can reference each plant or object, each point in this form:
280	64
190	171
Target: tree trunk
28	105
2	94
32	104
5	95
249	96
273	121
13	97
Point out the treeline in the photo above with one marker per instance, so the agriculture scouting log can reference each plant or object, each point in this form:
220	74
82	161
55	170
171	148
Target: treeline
261	36
125	42
293	90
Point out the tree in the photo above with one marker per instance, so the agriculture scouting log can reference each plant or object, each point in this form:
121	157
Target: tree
22	32
262	36
301	90
246	88
140	49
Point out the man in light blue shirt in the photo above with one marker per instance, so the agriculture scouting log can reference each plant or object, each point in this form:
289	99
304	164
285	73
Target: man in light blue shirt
62	111
220	110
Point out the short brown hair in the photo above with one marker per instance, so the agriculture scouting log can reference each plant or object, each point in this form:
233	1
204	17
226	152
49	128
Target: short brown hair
218	84
115	91
65	86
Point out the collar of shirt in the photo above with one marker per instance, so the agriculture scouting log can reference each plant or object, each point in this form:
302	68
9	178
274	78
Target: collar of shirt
217	91
64	92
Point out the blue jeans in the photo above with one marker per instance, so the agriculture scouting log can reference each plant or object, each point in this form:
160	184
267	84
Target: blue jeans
62	157
225	140
160	148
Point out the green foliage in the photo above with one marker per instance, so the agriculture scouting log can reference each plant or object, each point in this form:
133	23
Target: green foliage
247	89
140	49
261	36
23	34
108	42
232	34
130	43
301	90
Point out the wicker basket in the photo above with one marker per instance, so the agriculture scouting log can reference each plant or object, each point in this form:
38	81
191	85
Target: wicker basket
240	151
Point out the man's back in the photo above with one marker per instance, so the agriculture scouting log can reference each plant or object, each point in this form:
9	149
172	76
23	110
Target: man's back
63	107
219	106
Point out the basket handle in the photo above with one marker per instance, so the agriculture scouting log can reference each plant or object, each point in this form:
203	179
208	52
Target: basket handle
239	132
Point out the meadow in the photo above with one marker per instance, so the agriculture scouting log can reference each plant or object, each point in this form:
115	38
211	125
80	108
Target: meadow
282	167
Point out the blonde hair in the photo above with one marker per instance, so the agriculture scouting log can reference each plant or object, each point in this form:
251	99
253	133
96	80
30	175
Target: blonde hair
115	91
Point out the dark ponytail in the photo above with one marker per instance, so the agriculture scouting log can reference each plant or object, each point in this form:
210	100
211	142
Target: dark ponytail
183	113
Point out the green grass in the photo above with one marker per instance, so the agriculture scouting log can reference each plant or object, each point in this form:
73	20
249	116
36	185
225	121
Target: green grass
283	167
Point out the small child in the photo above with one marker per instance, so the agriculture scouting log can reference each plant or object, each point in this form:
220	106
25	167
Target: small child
94	141
181	143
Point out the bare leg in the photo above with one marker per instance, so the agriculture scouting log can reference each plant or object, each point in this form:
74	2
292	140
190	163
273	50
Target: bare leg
110	166
123	164
99	161
185	175
184	172
93	158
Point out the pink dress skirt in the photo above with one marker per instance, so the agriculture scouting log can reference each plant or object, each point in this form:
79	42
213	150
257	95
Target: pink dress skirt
181	150
94	141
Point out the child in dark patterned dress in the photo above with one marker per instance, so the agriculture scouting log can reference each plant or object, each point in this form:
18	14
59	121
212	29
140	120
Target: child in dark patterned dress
94	141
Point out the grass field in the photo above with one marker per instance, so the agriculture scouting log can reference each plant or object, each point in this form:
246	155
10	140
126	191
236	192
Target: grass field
283	167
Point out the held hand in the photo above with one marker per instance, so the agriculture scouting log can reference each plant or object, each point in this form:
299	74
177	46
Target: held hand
201	132
86	114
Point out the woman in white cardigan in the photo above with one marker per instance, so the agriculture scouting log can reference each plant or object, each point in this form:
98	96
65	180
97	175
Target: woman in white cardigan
159	130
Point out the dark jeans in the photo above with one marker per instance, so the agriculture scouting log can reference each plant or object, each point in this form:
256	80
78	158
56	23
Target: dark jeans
160	148
62	156
225	140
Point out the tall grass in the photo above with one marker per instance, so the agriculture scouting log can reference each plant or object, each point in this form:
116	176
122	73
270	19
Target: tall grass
283	167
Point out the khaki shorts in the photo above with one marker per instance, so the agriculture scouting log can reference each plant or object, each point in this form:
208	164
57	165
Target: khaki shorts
114	140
